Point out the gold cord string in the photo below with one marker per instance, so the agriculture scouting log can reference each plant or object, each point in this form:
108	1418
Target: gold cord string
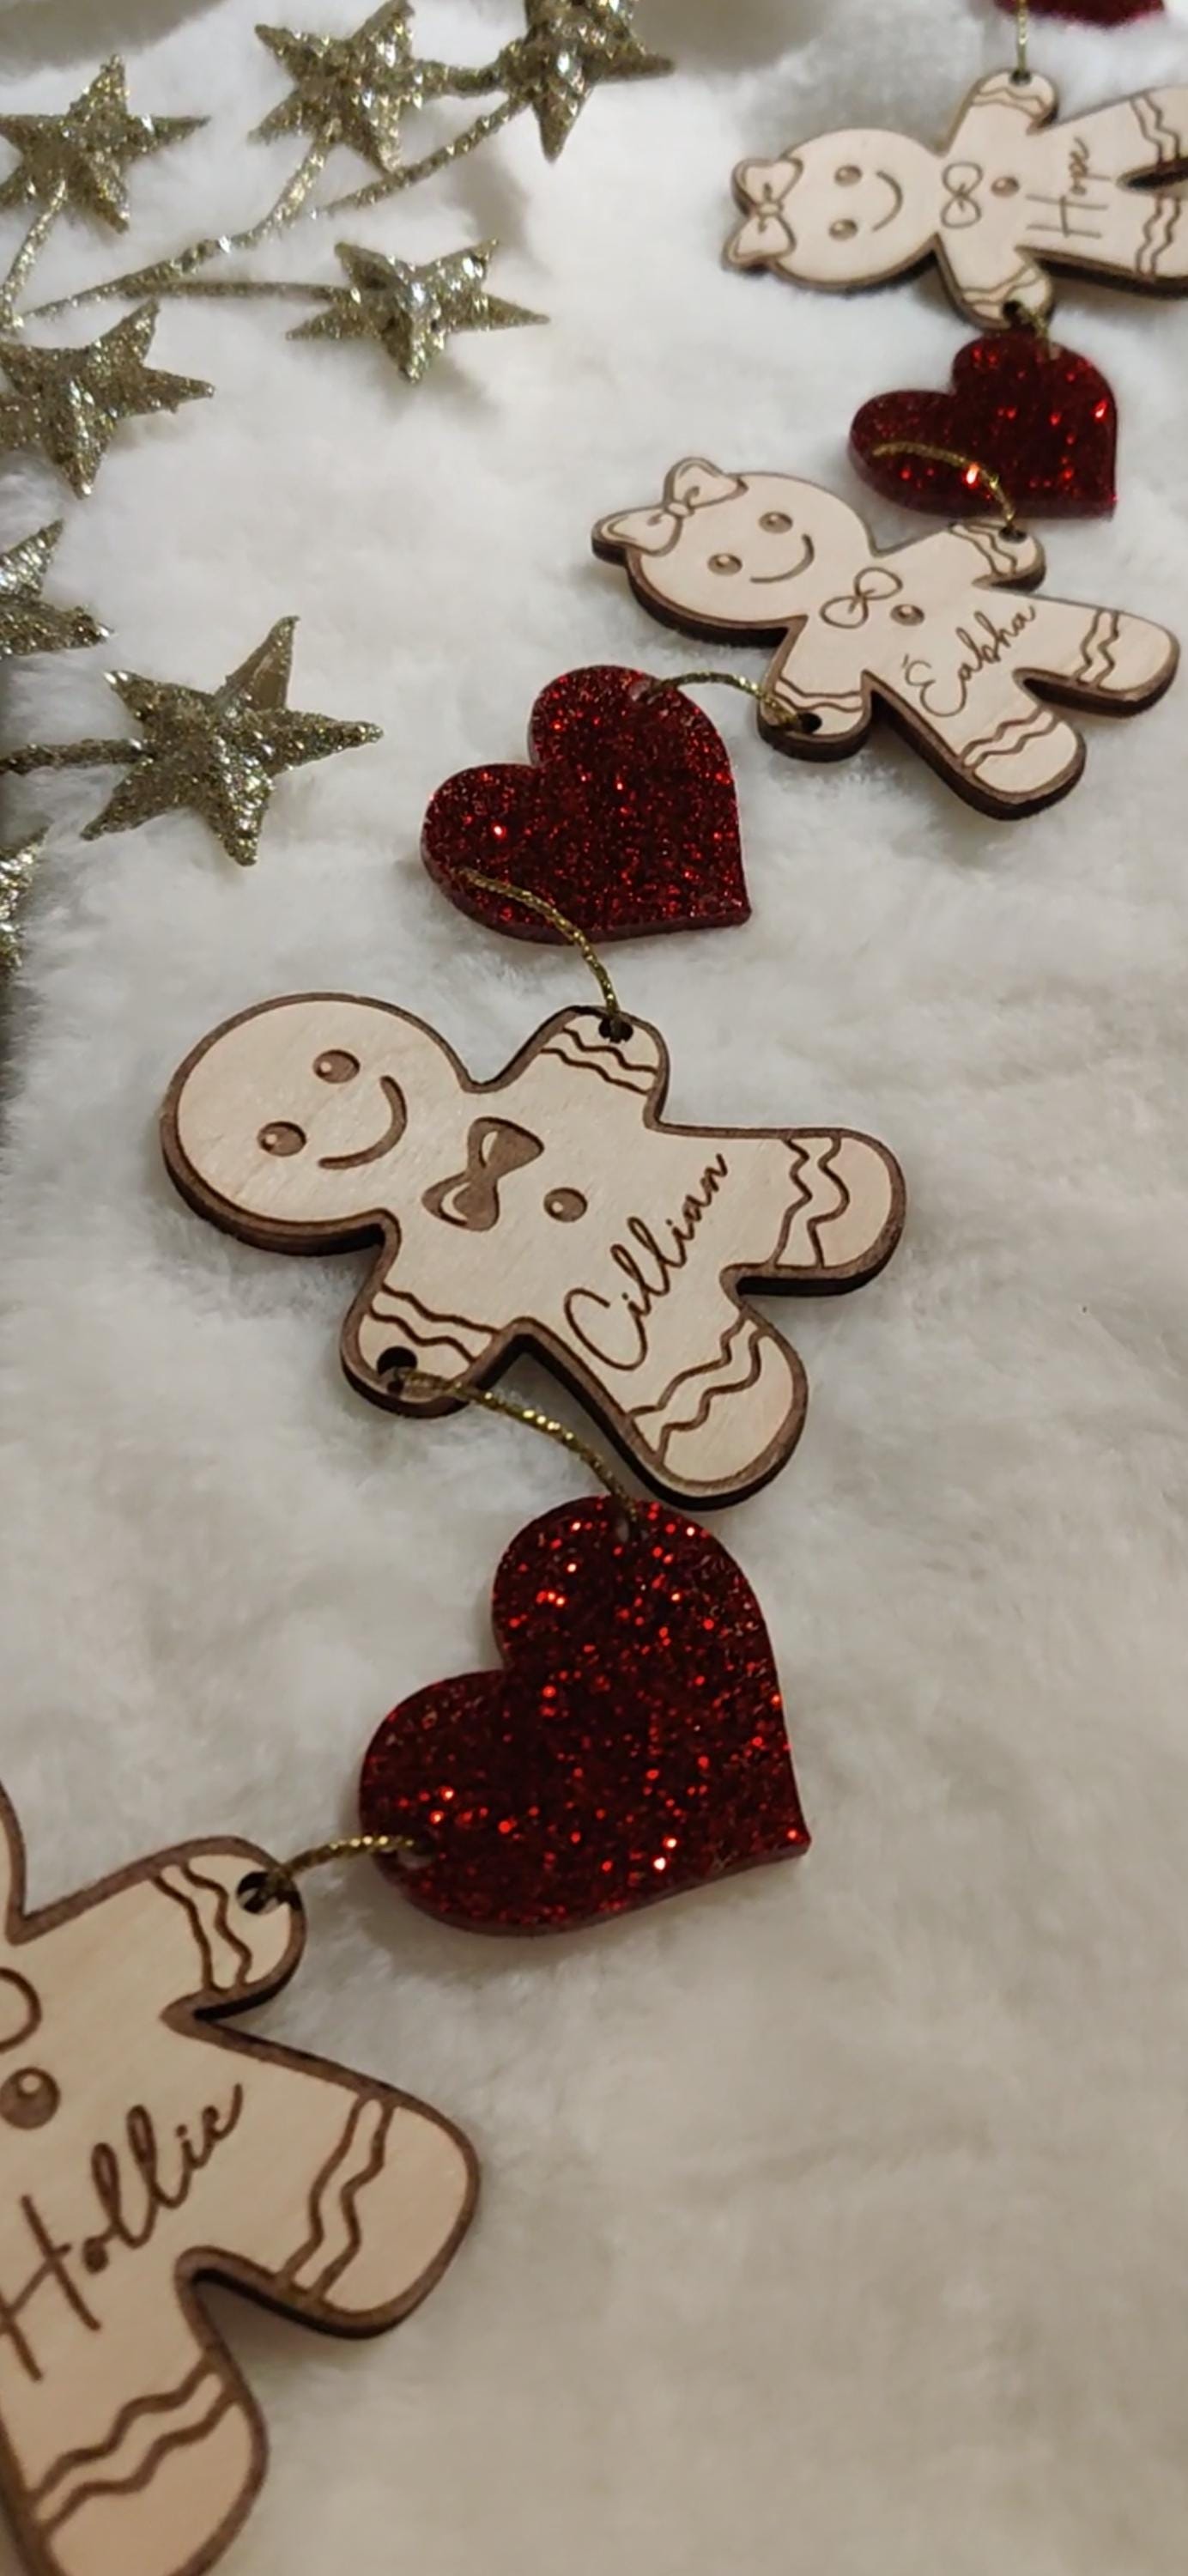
1022	40
421	1382
768	703
973	470
617	1023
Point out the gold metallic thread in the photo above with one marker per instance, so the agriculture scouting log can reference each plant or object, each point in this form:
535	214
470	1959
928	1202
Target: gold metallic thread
967	465
618	1024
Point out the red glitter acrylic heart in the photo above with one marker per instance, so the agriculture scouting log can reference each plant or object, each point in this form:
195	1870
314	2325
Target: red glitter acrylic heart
626	819
1090	13
633	1747
1042	418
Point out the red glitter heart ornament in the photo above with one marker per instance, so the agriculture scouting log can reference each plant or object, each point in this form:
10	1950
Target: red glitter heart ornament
633	1747
626	819
1042	418
1090	13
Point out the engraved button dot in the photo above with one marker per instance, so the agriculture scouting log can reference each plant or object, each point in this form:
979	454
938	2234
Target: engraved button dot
282	1138
565	1205
725	563
29	2098
1004	187
906	615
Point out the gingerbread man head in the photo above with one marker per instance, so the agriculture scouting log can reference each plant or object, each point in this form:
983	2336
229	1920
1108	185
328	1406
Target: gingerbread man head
305	1115
735	553
848	209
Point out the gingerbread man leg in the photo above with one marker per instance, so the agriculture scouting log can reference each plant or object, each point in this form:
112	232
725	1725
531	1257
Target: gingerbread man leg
162	2471
1147	133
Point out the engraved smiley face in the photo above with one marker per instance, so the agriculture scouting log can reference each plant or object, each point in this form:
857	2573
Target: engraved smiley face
844	210
299	1114
756	559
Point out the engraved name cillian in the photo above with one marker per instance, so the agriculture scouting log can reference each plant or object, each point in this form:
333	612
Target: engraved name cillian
614	1330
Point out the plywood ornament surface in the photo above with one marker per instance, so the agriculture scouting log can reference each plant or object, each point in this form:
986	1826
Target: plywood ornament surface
1009	197
552	1209
149	2148
945	634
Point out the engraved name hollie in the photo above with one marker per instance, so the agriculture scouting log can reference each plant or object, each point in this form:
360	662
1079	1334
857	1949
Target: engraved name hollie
133	2186
981	650
614	1330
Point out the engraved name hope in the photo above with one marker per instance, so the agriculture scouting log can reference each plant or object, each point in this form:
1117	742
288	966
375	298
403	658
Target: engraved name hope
134	2186
614	1330
981	649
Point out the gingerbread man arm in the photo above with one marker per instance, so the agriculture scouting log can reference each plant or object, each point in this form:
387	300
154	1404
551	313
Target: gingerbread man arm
997	110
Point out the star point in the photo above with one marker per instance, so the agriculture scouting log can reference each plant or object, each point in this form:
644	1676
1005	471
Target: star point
86	150
68	403
353	89
29	623
412	312
568	49
219	752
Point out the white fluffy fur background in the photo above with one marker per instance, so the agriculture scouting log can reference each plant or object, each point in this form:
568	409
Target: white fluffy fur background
835	2224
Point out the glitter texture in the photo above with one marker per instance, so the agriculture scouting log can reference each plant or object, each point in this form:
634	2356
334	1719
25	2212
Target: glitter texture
627	819
218	752
81	157
69	403
353	89
568	49
29	623
412	312
634	1747
1043	419
16	872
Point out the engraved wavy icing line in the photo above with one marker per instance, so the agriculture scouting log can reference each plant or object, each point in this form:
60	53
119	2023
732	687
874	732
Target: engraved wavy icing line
223	1930
1099	661
177	1881
846	701
197	1927
349	2211
399	1303
584	1062
829	1216
338	2155
160	2403
712	1394
179	2438
700	1368
985	543
1154	127
1009	739
1159	232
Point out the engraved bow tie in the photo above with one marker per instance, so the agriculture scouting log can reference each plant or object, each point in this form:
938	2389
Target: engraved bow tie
962	181
471	1198
854	607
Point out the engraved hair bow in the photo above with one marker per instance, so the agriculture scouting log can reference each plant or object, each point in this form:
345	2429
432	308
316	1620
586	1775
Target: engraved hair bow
854	607
764	187
962	181
691	485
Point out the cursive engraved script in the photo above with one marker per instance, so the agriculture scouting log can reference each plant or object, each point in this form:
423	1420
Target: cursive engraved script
981	650
650	1269
134	2186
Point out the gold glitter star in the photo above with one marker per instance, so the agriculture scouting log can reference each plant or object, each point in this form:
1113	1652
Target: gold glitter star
569	48
354	89
413	311
69	403
29	623
86	151
217	752
16	870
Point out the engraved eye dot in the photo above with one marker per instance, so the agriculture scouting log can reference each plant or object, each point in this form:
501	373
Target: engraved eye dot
907	616
20	2011
844	229
565	1205
1005	187
849	175
725	563
777	520
336	1065
29	2099
282	1138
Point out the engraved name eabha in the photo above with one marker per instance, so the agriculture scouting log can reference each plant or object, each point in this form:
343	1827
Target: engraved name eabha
148	2148
552	1209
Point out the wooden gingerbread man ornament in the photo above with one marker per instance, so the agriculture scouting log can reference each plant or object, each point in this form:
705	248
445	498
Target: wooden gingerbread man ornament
150	2148
1010	196
945	633
552	1209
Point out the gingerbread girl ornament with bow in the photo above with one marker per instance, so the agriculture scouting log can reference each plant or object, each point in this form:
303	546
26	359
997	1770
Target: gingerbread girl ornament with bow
1010	196
553	1209
946	634
148	2149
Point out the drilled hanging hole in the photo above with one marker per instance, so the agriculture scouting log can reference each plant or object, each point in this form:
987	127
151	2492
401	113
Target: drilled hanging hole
608	1028
258	1893
810	723
396	1362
